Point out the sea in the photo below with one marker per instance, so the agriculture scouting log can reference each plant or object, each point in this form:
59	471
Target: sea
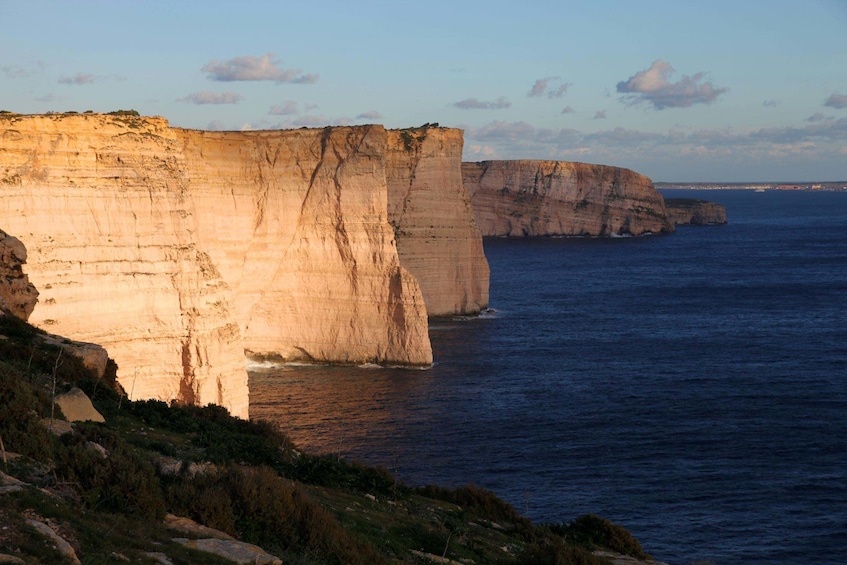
691	387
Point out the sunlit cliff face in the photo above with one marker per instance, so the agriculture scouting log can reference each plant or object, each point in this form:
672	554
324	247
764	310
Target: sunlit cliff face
178	250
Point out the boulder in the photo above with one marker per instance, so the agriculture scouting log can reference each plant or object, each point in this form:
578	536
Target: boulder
77	407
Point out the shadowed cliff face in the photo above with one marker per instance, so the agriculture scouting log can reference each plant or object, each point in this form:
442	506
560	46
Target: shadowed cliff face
437	237
177	250
17	295
545	198
690	211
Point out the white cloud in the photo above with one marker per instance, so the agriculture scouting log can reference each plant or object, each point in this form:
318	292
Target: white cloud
836	101
208	97
371	115
652	86
77	79
248	67
474	104
288	108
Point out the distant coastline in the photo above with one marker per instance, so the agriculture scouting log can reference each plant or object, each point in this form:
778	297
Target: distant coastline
839	186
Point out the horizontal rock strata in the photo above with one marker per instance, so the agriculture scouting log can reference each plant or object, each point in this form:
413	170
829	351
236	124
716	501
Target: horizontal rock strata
178	250
559	198
296	223
691	211
437	237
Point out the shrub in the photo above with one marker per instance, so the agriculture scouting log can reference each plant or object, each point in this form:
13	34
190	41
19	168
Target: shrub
20	405
263	508
121	482
593	531
552	550
478	500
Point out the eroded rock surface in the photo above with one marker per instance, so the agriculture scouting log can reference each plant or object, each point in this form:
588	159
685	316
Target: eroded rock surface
437	236
691	211
553	198
18	296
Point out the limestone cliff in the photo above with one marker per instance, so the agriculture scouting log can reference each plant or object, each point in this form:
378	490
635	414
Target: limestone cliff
177	249
296	222
547	198
691	211
437	237
17	295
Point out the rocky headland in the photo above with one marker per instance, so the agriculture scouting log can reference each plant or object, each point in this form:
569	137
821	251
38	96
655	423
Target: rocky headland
180	250
18	296
694	212
560	198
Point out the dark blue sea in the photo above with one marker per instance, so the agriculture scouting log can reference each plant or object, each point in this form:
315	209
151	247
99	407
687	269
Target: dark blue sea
691	387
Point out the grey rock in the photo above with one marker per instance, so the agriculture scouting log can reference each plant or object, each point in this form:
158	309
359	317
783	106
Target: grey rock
61	545
238	551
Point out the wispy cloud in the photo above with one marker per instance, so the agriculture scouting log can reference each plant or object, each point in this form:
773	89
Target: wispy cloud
816	117
371	115
474	104
208	97
652	86
568	110
20	71
547	86
600	115
287	108
836	101
771	103
248	67
78	79
14	71
48	98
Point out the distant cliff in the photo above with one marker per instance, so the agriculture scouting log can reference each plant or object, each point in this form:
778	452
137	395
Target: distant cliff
548	198
178	250
17	295
690	211
437	237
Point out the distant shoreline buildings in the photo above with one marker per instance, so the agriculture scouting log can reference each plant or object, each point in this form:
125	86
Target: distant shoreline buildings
759	187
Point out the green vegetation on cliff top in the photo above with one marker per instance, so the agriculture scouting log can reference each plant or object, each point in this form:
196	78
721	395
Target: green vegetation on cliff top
245	478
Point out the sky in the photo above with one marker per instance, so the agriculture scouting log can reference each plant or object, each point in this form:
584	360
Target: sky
681	91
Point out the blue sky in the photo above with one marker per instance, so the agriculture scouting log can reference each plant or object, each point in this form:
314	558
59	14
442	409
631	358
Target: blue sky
678	90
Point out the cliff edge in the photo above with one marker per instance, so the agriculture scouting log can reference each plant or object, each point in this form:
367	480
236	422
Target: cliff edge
178	250
437	237
551	198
